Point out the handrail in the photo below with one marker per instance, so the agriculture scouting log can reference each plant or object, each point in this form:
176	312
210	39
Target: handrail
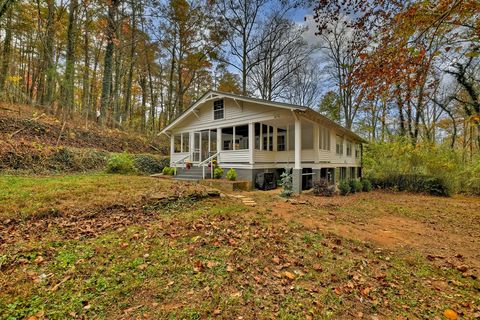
209	159
202	164
179	160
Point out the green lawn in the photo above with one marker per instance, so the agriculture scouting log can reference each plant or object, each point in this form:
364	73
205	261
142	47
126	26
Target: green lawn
213	258
21	197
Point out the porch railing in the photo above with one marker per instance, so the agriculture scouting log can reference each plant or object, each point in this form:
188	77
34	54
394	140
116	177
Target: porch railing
205	162
174	164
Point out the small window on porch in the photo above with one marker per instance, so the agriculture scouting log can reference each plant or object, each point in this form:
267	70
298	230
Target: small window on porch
281	139
349	149
218	110
339	146
227	138
177	143
185	142
241	137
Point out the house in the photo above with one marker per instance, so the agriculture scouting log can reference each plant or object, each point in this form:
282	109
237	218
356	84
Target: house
255	136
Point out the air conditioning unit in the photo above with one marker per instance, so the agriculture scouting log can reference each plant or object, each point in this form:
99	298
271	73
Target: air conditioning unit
265	181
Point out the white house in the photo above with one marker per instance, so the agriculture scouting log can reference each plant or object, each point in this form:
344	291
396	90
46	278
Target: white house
255	136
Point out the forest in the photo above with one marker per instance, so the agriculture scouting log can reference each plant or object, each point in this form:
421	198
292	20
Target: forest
392	71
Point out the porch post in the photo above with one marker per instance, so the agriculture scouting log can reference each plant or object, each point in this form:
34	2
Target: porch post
251	141
316	142
219	139
172	148
297	170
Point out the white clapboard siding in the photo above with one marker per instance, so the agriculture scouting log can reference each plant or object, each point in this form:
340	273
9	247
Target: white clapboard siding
234	156
263	156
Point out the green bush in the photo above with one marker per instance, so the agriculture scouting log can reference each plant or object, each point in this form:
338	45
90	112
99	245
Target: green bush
286	183
395	164
366	185
414	183
218	173
232	174
168	171
355	185
148	164
121	163
470	178
344	187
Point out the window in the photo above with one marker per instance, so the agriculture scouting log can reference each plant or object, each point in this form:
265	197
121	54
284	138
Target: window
235	138
324	139
227	138
307	135
339	145
241	137
291	137
185	142
181	142
213	142
177	143
358	152
263	137
267	135
281	139
349	149
218	110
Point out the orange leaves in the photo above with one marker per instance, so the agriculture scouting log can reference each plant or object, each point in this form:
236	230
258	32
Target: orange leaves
450	314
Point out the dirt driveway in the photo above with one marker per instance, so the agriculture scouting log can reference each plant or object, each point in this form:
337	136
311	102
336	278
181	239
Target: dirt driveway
445	230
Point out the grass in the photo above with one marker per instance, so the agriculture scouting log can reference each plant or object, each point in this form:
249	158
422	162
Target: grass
21	197
207	259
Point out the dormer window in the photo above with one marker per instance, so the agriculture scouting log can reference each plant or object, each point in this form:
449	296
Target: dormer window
218	110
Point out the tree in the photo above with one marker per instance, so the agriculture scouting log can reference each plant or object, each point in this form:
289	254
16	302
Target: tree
69	77
281	53
108	59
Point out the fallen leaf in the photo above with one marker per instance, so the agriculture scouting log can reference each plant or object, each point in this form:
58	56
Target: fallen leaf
450	314
289	275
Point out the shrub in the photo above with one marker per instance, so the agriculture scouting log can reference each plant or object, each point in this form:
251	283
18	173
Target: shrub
323	188
148	164
400	160
120	163
414	183
232	174
355	185
168	171
287	183
344	187
218	173
366	185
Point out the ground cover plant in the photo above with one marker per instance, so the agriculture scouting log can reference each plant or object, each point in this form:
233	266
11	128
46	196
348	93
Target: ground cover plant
168	252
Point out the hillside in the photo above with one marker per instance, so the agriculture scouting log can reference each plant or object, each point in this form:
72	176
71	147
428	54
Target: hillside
30	139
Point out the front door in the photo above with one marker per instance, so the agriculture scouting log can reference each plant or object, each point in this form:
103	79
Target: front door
197	147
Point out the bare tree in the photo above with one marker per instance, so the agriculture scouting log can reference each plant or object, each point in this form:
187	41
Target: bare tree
341	46
280	56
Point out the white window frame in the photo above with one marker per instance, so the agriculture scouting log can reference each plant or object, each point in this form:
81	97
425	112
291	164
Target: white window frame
222	109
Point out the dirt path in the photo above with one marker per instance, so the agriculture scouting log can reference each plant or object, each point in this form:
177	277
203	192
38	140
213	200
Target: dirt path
445	232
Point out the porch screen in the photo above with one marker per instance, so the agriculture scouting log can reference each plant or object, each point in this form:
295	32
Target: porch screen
177	143
241	137
227	138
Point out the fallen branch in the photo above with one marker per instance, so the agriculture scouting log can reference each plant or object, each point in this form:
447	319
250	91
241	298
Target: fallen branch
54	288
60	135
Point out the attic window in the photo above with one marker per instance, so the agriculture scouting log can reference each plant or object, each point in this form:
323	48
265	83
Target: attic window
218	110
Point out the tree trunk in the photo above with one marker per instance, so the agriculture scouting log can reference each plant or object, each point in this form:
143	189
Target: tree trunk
6	52
48	70
128	88
69	78
107	65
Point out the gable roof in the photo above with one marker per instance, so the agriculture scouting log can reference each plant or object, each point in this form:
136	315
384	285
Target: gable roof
301	110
